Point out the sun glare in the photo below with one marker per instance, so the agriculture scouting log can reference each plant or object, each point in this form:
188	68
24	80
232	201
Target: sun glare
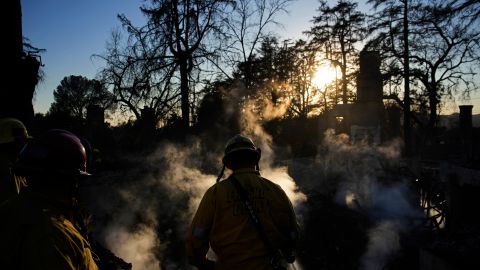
324	75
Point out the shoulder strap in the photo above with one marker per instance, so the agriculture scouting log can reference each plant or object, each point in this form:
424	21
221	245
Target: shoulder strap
253	215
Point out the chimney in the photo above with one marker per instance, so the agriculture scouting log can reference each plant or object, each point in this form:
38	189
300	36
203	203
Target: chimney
369	79
465	116
369	109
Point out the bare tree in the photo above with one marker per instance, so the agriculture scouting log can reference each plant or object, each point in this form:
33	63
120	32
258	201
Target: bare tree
442	55
139	72
445	46
246	25
171	52
469	9
390	25
248	51
185	26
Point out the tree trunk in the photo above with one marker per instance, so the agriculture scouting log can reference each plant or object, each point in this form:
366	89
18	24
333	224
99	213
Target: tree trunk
344	74
20	76
433	102
407	132
344	85
184	91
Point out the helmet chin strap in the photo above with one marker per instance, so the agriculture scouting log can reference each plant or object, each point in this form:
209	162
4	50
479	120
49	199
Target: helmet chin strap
221	174
259	151
257	167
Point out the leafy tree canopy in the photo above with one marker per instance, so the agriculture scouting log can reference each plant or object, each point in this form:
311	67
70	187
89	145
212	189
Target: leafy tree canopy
75	93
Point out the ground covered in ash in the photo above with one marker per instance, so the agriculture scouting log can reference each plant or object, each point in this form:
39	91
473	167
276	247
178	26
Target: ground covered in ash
339	236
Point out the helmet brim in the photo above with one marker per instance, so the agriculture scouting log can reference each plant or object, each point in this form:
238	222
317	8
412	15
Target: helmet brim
84	174
240	149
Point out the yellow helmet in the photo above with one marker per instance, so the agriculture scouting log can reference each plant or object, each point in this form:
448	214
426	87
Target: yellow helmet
237	143
12	129
241	144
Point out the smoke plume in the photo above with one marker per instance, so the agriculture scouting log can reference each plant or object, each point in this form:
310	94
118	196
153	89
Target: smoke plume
134	246
151	206
145	219
384	242
252	127
368	185
143	210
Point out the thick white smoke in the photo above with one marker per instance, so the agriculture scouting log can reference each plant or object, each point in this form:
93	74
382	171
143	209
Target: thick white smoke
367	185
384	242
393	213
149	210
135	246
169	184
251	125
182	176
280	176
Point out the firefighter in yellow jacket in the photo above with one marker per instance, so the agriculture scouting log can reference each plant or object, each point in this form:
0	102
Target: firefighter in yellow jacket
223	223
13	137
38	227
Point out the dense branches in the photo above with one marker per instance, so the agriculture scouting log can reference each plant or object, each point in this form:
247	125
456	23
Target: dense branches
185	26
159	64
247	25
428	46
139	72
444	46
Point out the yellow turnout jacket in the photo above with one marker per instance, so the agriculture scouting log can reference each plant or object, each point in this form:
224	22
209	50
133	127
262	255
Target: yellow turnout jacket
34	235
223	223
10	184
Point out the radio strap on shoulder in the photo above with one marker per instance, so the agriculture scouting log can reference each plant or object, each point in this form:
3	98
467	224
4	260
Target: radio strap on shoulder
256	222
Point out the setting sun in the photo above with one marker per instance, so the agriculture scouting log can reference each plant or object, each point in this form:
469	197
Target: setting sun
323	76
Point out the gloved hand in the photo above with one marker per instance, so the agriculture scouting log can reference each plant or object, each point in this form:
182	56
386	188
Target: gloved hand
290	258
289	255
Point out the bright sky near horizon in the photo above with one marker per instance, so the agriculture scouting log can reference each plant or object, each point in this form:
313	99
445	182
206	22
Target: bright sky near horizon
72	31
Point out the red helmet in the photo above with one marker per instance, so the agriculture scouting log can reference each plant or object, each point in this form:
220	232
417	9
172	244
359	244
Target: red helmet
57	152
